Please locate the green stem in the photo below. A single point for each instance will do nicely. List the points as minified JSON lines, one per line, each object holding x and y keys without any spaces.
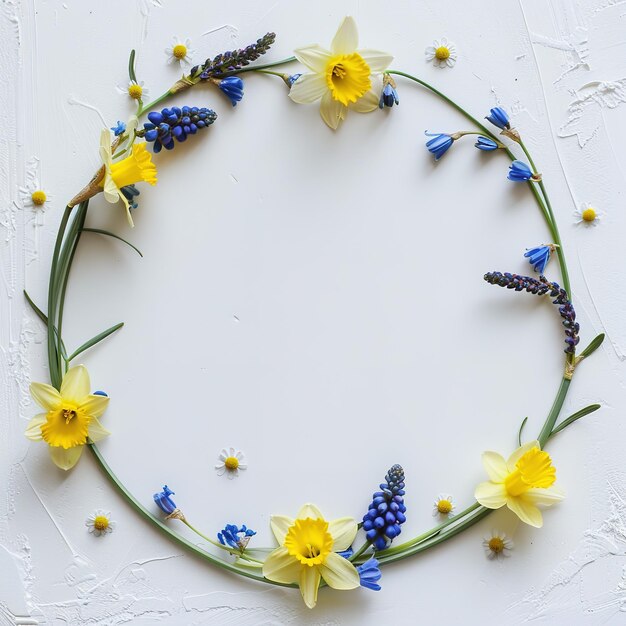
{"x":360,"y":551}
{"x":548,"y":426}
{"x":555,"y":229}
{"x":173,"y":535}
{"x":256,"y":68}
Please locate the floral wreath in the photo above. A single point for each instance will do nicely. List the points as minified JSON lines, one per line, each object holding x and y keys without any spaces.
{"x":312,"y":552}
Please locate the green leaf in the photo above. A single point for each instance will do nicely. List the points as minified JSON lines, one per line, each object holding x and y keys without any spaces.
{"x":592,"y":347}
{"x":519,"y":434}
{"x":94,"y":340}
{"x":131,"y":66}
{"x":40,"y":314}
{"x":110,"y":234}
{"x":576,"y":416}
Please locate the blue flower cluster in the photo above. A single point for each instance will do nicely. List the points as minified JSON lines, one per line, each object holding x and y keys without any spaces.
{"x":387,"y":511}
{"x":538,"y":257}
{"x":232,"y":86}
{"x":175,"y":123}
{"x":163,"y":500}
{"x":235,"y":537}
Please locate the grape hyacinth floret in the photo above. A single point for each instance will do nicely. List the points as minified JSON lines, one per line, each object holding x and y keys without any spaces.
{"x":175,"y":123}
{"x":541,"y":287}
{"x":382,"y":522}
{"x":228,"y":62}
{"x":235,"y":537}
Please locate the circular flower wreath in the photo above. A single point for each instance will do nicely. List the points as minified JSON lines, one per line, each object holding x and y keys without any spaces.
{"x":312,"y":552}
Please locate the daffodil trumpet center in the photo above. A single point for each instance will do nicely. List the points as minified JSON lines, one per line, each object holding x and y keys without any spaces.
{"x":66,"y":427}
{"x":138,"y":167}
{"x":534,"y":470}
{"x":348,"y":77}
{"x":309,"y":541}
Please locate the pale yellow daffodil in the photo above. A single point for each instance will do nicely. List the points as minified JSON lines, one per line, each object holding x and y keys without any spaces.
{"x":522,"y":482}
{"x":342,"y":76}
{"x":71,"y":416}
{"x":138,"y":167}
{"x":307,"y":552}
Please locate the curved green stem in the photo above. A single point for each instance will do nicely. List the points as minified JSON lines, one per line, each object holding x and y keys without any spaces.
{"x":256,"y":68}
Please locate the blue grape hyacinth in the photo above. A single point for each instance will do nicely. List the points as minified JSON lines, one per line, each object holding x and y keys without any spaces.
{"x":232,"y":86}
{"x":386,"y":513}
{"x":439,"y":144}
{"x":235,"y":537}
{"x":499,"y":117}
{"x":175,"y":123}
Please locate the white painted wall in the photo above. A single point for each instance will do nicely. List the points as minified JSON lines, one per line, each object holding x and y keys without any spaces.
{"x":317,"y":301}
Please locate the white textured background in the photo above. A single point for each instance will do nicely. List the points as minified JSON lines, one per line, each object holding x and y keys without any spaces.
{"x":316,"y":300}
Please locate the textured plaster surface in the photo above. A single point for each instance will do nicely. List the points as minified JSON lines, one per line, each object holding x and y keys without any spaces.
{"x":316,"y":300}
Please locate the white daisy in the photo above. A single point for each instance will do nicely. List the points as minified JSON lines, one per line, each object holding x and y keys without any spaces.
{"x":134,"y":89}
{"x":497,"y":545}
{"x":180,"y":52}
{"x":442,"y":53}
{"x":231,"y":461}
{"x":100,"y":523}
{"x":31,"y":194}
{"x":443,"y":506}
{"x":587,"y":215}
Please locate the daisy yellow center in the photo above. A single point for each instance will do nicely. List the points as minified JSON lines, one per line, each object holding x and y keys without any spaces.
{"x":442,"y":53}
{"x":66,"y":427}
{"x":496,"y":545}
{"x":309,"y":541}
{"x":179,"y":51}
{"x":101,"y":523}
{"x":348,"y":77}
{"x":444,"y":506}
{"x":589,"y":214}
{"x":534,"y":470}
{"x":138,"y":167}
{"x":135,"y":91}
{"x":231,"y":462}
{"x":38,"y":197}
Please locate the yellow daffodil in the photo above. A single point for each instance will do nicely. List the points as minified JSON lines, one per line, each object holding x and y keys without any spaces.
{"x":138,"y":167}
{"x":71,"y":416}
{"x":307,"y":552}
{"x":342,"y":76}
{"x":522,"y":482}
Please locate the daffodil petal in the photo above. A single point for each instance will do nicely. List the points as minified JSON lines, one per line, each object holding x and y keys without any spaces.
{"x":280,"y":525}
{"x":111,"y":192}
{"x":517,"y":455}
{"x":33,"y":430}
{"x":281,"y":567}
{"x":376,"y":59}
{"x":309,"y":510}
{"x":46,"y":396}
{"x":95,"y":405}
{"x":346,"y":38}
{"x":76,"y":385}
{"x":308,"y":88}
{"x":96,"y":430}
{"x":314,"y":57}
{"x":332,"y":111}
{"x":491,"y":495}
{"x":495,"y":466}
{"x":547,"y":497}
{"x":65,"y":459}
{"x":129,"y":217}
{"x":105,"y":147}
{"x":309,"y":584}
{"x":526,"y":511}
{"x":339,"y":573}
{"x":368,"y":102}
{"x":343,"y":532}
